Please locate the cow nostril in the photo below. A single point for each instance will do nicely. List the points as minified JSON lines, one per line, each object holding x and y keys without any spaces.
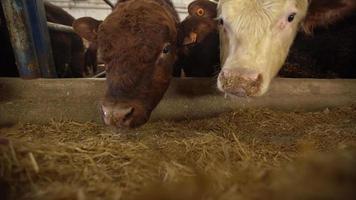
{"x":128,"y":114}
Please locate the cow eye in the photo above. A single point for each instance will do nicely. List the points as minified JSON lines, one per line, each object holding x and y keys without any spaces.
{"x":200,"y":12}
{"x":167,"y":48}
{"x":291,"y":17}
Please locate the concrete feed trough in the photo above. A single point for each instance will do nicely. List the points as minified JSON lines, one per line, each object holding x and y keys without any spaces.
{"x":42,"y":100}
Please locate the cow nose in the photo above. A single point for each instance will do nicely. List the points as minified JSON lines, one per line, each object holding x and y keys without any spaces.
{"x":240,"y":82}
{"x":123,"y":117}
{"x":119,"y":117}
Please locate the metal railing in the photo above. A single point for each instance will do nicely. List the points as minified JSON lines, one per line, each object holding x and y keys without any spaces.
{"x":29,"y":36}
{"x":26,"y":22}
{"x":60,"y":27}
{"x":69,"y":29}
{"x":28,"y":29}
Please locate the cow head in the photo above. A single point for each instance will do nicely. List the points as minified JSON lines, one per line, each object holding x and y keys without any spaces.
{"x":199,"y":23}
{"x":198,"y":41}
{"x":256,"y":36}
{"x":137,"y":44}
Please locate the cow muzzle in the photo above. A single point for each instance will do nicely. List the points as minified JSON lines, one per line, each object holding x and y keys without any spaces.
{"x":124,"y":116}
{"x":240,"y":82}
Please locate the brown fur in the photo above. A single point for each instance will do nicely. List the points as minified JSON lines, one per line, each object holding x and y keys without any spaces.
{"x":85,"y":27}
{"x":322,"y":13}
{"x":118,"y":47}
{"x":198,"y":41}
{"x":130,"y":42}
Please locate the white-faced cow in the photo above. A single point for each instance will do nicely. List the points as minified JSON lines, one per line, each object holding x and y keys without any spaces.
{"x":256,"y":36}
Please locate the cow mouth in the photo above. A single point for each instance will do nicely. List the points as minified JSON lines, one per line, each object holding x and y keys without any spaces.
{"x":240,"y":86}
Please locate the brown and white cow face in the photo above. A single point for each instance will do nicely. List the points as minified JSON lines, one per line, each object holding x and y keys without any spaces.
{"x":255,"y":39}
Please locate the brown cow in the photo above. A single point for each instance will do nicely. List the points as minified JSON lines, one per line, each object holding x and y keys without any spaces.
{"x":137,"y":43}
{"x":68,"y":50}
{"x":198,"y":41}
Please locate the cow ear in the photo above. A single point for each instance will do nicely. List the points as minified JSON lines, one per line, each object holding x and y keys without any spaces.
{"x":87,"y":28}
{"x":190,"y":8}
{"x":322,"y":13}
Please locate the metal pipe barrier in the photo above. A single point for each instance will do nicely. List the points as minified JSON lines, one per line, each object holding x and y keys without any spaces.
{"x":60,"y":27}
{"x":29,"y":37}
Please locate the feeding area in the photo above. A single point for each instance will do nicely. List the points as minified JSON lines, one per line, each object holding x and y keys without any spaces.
{"x":171,"y":108}
{"x":244,"y":149}
{"x":247,"y":154}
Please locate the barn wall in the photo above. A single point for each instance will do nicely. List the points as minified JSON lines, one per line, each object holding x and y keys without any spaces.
{"x":98,"y":9}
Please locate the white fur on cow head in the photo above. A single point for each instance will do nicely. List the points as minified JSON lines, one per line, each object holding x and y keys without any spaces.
{"x":255,"y":37}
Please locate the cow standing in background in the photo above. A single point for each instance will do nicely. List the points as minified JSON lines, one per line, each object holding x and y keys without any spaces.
{"x":328,"y":52}
{"x":198,"y":41}
{"x":256,"y":36}
{"x":137,"y":43}
{"x":67,"y":48}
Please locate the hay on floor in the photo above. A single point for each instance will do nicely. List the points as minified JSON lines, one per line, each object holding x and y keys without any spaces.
{"x":247,"y":154}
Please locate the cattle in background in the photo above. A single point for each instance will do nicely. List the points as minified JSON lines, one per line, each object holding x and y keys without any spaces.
{"x":256,"y":37}
{"x":91,"y":57}
{"x":198,"y":41}
{"x":329,"y":52}
{"x":91,"y":60}
{"x":137,"y":43}
{"x":67,"y":48}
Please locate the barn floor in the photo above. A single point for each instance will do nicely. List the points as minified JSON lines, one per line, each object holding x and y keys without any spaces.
{"x":246,"y":154}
